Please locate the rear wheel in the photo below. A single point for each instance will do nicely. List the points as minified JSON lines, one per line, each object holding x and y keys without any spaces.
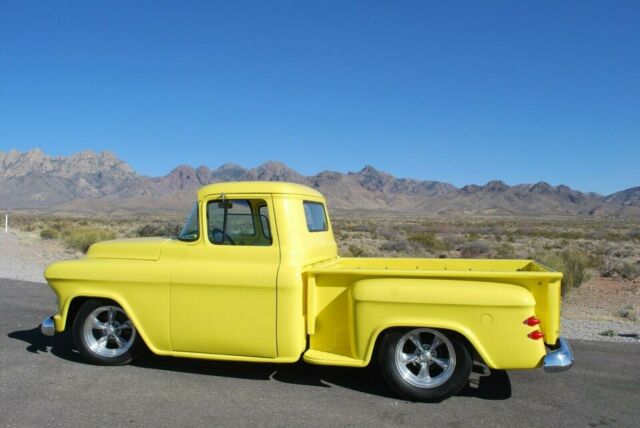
{"x":104,"y":334}
{"x":425,"y":364}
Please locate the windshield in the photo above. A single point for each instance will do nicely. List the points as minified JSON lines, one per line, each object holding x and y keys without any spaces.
{"x":191,"y":231}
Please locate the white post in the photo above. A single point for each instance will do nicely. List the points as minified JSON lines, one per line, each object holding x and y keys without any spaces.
{"x":6,"y":223}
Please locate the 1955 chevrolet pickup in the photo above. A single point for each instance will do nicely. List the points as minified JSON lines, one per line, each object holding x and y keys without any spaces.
{"x":254,"y":275}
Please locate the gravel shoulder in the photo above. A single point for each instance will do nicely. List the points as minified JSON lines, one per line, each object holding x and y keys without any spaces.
{"x":24,"y":256}
{"x":587,"y":313}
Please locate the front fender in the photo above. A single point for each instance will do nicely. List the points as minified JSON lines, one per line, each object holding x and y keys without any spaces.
{"x":141,"y":288}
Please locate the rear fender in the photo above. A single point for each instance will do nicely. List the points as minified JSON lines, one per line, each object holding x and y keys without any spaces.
{"x":488,"y":315}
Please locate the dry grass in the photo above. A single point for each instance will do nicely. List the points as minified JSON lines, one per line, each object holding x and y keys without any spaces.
{"x":579,"y":248}
{"x":79,"y":233}
{"x":576,"y":246}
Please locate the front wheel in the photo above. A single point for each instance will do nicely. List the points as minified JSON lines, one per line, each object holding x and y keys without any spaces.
{"x":425,"y":364}
{"x":104,"y":334}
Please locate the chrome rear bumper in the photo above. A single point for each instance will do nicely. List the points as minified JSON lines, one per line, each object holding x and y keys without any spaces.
{"x":48,"y":328}
{"x":559,"y":359}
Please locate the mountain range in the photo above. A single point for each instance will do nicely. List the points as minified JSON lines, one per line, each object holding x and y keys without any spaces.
{"x":101,"y":182}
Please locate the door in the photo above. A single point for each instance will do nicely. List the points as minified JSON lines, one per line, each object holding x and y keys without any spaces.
{"x":223,"y":294}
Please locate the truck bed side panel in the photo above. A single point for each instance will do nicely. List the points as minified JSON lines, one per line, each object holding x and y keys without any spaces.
{"x":352,"y":310}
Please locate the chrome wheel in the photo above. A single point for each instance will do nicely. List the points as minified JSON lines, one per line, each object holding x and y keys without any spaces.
{"x":425,"y":358}
{"x":108,"y":331}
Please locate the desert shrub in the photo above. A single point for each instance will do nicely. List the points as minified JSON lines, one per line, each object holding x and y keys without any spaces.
{"x":60,"y":225}
{"x":474,"y":249}
{"x":29,"y":227}
{"x":367,"y":227}
{"x":630,"y":312}
{"x":356,"y":251}
{"x":575,"y":268}
{"x":450,"y":241}
{"x":570,"y":234}
{"x":399,"y":246}
{"x":571,"y":262}
{"x":505,"y":251}
{"x":158,"y":229}
{"x":613,"y":236}
{"x":621,"y":252}
{"x":473,"y":236}
{"x":549,"y":259}
{"x":81,"y":238}
{"x":634,"y":235}
{"x":605,"y":265}
{"x":427,"y":240}
{"x":340,"y":235}
{"x":49,"y":233}
{"x":387,"y":233}
{"x":627,"y":270}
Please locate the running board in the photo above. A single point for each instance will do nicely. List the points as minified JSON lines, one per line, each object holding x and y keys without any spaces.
{"x":313,"y":356}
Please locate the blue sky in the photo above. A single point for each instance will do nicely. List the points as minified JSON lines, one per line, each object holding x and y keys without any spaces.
{"x":463,"y":92}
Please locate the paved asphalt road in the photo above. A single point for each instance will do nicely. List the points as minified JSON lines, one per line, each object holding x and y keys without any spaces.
{"x":44,"y":382}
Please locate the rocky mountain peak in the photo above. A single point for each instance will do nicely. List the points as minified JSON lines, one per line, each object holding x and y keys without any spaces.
{"x":541,"y":187}
{"x":34,"y":179}
{"x":16,"y":164}
{"x":228,"y":172}
{"x":496,"y":186}
{"x":368,"y":170}
{"x":471,"y":188}
{"x":35,"y":161}
{"x":274,"y":171}
{"x":373,"y":179}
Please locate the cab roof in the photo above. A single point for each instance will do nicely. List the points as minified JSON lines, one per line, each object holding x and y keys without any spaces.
{"x":272,"y":187}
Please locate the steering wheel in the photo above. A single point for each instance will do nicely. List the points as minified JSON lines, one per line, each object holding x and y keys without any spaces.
{"x":218,"y":236}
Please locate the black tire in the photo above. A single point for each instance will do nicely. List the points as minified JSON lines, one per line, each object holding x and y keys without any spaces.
{"x":392,"y":371}
{"x":111,"y":354}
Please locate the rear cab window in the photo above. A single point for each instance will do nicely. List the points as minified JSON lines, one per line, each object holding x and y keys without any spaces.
{"x":316,"y":216}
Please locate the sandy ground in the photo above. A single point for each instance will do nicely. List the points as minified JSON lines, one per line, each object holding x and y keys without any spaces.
{"x":587,"y":312}
{"x":603,"y":299}
{"x":594,"y":311}
{"x":24,"y":256}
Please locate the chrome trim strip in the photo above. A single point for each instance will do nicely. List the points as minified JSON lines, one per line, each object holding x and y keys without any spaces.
{"x":560,"y":359}
{"x":48,"y":328}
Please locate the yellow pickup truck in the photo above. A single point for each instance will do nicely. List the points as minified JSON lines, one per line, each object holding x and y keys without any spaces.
{"x":255,"y":276}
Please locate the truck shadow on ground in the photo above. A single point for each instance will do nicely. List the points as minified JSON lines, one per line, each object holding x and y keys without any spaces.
{"x":484,"y":383}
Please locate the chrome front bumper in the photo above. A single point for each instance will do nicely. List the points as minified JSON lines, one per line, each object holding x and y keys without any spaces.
{"x":560,"y":359}
{"x":48,"y":328}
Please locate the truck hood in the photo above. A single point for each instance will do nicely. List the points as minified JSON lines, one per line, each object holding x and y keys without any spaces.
{"x":133,"y":249}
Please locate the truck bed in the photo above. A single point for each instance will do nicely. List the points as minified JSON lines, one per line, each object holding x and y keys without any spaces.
{"x":338,"y":290}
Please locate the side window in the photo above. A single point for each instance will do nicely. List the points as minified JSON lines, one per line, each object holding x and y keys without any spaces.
{"x":236,"y":222}
{"x":316,"y":217}
{"x":191,"y":231}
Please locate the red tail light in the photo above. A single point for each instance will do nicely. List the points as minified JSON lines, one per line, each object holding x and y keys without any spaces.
{"x":536,"y":335}
{"x":532,"y":321}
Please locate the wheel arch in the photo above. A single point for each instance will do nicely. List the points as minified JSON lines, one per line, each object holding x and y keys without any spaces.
{"x":470,"y":339}
{"x":74,"y":303}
